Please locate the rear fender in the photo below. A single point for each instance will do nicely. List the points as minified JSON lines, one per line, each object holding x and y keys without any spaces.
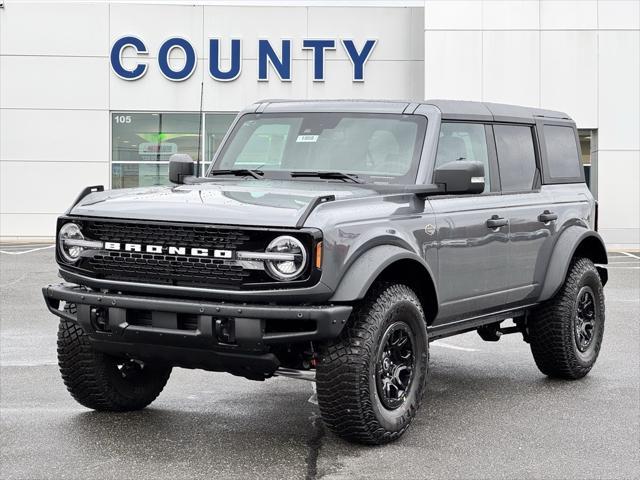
{"x":575,"y":240}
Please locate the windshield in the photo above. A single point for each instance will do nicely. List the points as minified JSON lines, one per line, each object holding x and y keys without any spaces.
{"x":376,"y":148}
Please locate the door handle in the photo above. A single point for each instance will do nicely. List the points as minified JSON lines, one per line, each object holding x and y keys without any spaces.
{"x":496,"y":222}
{"x":547,"y":216}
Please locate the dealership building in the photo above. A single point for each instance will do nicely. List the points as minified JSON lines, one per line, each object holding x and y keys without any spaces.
{"x":104,"y":92}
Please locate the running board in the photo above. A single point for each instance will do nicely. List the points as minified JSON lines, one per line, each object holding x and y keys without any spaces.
{"x":467,"y":325}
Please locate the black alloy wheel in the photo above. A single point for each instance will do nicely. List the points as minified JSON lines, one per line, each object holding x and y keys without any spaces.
{"x":395,"y":365}
{"x":371,"y":379}
{"x":585,"y":318}
{"x":566,"y":331}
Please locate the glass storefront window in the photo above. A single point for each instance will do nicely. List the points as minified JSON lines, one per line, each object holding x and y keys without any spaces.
{"x":215,"y":127}
{"x":125,"y":175}
{"x":142,"y":144}
{"x":588,"y":148}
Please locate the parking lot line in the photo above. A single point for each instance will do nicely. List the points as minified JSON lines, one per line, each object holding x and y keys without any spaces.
{"x":630,"y":255}
{"x":26,"y":251}
{"x":438,"y":343}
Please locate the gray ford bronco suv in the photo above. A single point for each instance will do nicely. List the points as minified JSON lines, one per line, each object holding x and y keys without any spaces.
{"x":332,"y":241}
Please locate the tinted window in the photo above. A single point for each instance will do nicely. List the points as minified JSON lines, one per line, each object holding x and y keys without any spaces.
{"x":463,"y":141}
{"x":562,"y":152}
{"x":516,"y":157}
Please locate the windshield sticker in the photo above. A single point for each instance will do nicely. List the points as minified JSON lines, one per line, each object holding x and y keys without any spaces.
{"x":307,"y":138}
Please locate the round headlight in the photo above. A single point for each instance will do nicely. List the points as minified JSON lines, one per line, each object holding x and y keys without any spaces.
{"x":70,"y":231}
{"x":294,"y":261}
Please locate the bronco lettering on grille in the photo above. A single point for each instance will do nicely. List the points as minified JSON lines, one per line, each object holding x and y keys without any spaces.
{"x":171,"y":250}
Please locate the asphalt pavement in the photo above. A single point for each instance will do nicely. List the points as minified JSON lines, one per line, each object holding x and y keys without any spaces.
{"x":488,"y":412}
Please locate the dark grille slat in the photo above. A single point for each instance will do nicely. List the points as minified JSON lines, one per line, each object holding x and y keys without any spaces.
{"x":168,"y":268}
{"x":164,"y":235}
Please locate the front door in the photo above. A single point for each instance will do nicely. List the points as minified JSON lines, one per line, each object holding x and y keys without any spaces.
{"x":472,"y":230}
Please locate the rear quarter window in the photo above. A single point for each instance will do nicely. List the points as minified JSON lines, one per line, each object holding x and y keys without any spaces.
{"x":563,"y":161}
{"x":516,"y":157}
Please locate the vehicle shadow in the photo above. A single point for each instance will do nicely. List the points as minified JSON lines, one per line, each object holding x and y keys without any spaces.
{"x":260,"y":435}
{"x":468,"y":406}
{"x":263,"y":429}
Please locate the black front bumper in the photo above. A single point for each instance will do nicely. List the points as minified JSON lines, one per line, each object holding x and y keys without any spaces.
{"x":217,"y":336}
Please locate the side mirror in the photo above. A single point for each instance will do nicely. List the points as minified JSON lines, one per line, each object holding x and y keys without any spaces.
{"x":460,"y":176}
{"x":180,"y":165}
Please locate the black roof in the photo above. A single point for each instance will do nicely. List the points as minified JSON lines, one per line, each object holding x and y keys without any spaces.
{"x":450,"y":109}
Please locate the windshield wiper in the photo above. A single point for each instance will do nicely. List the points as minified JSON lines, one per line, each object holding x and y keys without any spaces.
{"x":241,"y":172}
{"x":328,"y":175}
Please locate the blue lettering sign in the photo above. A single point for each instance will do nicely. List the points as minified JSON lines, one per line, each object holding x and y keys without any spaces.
{"x":358,"y":59}
{"x":266,"y":54}
{"x":268,"y":58}
{"x":318,"y":47}
{"x":189,"y":64}
{"x":214,"y":60}
{"x":116,"y":57}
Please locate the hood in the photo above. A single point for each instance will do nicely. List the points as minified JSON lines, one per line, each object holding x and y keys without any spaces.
{"x":277,"y":203}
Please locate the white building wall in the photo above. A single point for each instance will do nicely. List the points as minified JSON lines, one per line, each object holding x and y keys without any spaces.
{"x":577,"y":56}
{"x":57,"y":89}
{"x":54,"y":110}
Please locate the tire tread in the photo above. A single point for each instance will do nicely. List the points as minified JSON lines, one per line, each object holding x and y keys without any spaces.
{"x":85,"y":373}
{"x":550,"y":327}
{"x":344,"y":369}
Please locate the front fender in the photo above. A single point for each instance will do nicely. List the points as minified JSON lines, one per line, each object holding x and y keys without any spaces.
{"x":356,"y":282}
{"x":573,"y":238}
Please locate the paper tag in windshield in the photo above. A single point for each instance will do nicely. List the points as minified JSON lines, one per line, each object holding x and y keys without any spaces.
{"x":307,"y":138}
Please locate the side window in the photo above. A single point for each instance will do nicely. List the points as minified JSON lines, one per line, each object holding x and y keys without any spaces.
{"x":463,"y":141}
{"x":516,"y":157}
{"x":562,"y":152}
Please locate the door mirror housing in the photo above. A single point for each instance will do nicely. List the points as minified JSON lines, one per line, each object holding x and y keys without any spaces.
{"x":460,"y":176}
{"x":180,"y":166}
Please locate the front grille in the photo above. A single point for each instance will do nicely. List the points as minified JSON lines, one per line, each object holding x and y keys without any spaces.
{"x":167,"y":269}
{"x":176,"y":235}
{"x":177,"y":270}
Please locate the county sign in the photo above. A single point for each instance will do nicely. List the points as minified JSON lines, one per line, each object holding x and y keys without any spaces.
{"x":273,"y":58}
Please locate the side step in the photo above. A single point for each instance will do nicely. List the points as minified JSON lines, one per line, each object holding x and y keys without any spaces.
{"x":493,"y":332}
{"x":492,"y":320}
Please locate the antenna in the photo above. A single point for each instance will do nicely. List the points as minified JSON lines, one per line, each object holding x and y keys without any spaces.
{"x":200,"y":131}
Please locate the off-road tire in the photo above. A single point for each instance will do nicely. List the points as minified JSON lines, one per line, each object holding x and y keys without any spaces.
{"x":346,"y":376}
{"x":551,"y":326}
{"x":94,"y":379}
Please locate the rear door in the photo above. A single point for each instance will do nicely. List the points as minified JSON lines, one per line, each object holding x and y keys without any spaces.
{"x":472,"y":255}
{"x":531,"y":221}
